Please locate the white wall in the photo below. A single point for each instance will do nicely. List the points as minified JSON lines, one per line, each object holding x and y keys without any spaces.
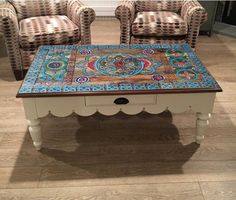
{"x":103,"y":7}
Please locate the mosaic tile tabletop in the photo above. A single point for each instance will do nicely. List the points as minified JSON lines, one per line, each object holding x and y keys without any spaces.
{"x":116,"y":69}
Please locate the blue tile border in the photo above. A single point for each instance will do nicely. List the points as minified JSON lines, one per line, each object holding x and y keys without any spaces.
{"x":30,"y":86}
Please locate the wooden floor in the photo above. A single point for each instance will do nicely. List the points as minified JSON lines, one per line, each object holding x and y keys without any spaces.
{"x":143,"y":157}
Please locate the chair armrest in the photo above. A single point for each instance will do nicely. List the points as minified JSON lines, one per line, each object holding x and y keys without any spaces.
{"x":125,"y":13}
{"x":10,"y":28}
{"x":195,"y":15}
{"x":8,"y":19}
{"x":82,"y":16}
{"x":192,"y":10}
{"x":125,"y":10}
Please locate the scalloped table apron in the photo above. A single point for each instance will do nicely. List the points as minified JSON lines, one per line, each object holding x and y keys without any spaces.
{"x":112,"y":78}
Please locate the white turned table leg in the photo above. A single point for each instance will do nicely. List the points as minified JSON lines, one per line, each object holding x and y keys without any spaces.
{"x":35,"y":132}
{"x":202,"y":123}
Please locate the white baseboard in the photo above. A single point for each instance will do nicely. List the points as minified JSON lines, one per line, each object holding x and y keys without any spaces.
{"x":104,"y":10}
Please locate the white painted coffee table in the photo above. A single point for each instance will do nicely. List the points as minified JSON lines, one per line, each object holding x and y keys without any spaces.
{"x":109,"y":79}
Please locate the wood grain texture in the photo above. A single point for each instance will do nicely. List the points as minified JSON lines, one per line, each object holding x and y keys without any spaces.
{"x":123,"y":157}
{"x":27,"y":177}
{"x":136,"y":173}
{"x":129,"y":192}
{"x":219,"y":190}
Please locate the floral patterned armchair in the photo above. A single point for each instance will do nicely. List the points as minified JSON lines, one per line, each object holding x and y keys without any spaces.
{"x":27,"y":24}
{"x":160,"y":21}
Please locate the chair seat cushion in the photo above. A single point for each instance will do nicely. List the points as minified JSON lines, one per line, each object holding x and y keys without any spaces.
{"x":44,"y":30}
{"x":160,"y":23}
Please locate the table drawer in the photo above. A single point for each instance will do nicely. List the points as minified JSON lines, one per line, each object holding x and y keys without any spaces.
{"x":120,"y":100}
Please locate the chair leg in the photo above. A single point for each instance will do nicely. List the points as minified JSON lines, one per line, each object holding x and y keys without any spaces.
{"x":19,"y":74}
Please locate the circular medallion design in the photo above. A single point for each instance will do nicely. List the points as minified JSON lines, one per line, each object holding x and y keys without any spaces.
{"x":82,"y":79}
{"x":186,"y":74}
{"x":158,"y":77}
{"x":180,"y":62}
{"x":120,"y":65}
{"x":174,"y":53}
{"x":148,"y":51}
{"x":56,"y":65}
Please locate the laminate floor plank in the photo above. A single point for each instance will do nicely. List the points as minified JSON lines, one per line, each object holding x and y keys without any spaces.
{"x":27,"y":177}
{"x":134,"y":173}
{"x":107,"y":154}
{"x":219,"y":190}
{"x":128,"y":192}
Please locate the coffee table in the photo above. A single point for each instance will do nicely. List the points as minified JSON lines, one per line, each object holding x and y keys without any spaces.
{"x":112,"y":78}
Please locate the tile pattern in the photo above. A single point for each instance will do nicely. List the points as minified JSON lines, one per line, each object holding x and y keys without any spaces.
{"x":190,"y":11}
{"x":69,"y":22}
{"x":91,"y":68}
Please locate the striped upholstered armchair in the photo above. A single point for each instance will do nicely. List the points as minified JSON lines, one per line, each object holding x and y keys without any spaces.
{"x":160,"y":21}
{"x":27,"y":24}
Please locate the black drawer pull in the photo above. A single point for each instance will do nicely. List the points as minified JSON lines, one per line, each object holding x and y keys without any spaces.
{"x":121,"y":101}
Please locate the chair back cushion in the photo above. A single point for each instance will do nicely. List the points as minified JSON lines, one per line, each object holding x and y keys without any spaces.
{"x":33,"y":8}
{"x":159,"y":5}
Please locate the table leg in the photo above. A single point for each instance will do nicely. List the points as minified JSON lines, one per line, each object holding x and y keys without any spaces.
{"x":202,"y":123}
{"x":35,"y":132}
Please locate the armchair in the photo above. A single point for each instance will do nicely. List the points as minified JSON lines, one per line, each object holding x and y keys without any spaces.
{"x":27,"y":24}
{"x":160,"y":21}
